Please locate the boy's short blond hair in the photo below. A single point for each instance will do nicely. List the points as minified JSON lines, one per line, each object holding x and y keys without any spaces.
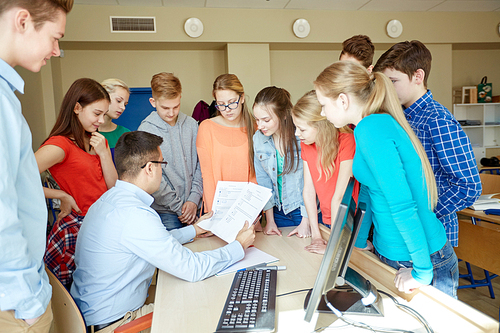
{"x":165,"y":85}
{"x":41,"y":11}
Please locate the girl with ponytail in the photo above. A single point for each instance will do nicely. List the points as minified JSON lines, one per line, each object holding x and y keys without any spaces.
{"x":392,"y":164}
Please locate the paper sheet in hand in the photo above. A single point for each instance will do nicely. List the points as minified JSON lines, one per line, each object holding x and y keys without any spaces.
{"x":253,"y":257}
{"x":234,"y":203}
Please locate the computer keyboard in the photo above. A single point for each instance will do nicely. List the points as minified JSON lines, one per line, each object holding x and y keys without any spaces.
{"x":250,"y":303}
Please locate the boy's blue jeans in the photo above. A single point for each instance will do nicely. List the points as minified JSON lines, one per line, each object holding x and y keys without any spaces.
{"x":445,"y":263}
{"x":171,"y":221}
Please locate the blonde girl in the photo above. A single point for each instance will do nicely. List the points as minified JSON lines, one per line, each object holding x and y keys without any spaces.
{"x":119,"y":94}
{"x":392,"y":164}
{"x":327,"y":154}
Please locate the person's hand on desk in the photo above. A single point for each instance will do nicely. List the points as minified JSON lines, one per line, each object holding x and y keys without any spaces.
{"x":369,"y":247}
{"x":271,"y":228}
{"x":405,"y":282}
{"x":303,"y":230}
{"x":246,"y":235}
{"x":318,"y":245}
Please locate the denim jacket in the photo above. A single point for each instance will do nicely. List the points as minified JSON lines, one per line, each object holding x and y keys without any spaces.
{"x":266,"y":170}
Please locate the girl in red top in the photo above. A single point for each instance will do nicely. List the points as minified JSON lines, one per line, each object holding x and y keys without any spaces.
{"x":79,"y":159}
{"x":327,"y":155}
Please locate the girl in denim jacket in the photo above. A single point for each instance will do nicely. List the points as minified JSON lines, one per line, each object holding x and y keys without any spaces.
{"x":277,"y":161}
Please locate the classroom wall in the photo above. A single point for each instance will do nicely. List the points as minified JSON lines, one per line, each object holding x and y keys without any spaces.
{"x":257,"y":45}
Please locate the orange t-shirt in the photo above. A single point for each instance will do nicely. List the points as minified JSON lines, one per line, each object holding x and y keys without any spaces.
{"x":79,"y":174}
{"x":326,"y":188}
{"x":223,"y":154}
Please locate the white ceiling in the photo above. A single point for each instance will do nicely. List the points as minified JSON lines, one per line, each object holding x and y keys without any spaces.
{"x":366,"y":5}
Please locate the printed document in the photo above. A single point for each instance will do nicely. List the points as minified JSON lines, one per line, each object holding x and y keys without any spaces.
{"x":234,"y":203}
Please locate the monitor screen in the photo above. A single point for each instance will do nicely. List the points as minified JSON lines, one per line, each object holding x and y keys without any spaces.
{"x":338,"y":251}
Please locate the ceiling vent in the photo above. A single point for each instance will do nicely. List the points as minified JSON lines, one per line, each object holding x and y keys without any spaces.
{"x":132,"y":24}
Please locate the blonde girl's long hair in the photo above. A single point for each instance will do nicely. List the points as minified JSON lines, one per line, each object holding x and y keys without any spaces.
{"x":378,"y":95}
{"x":278,"y":101}
{"x":231,"y":82}
{"x":308,"y":109}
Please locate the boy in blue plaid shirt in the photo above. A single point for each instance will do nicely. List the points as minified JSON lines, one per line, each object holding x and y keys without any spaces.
{"x":408,"y":65}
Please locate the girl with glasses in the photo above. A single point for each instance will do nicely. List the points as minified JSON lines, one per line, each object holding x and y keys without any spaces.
{"x":224,"y":143}
{"x":327,"y":154}
{"x":79,"y":159}
{"x":278,"y":164}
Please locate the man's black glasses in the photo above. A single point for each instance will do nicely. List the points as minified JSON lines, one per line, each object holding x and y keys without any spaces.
{"x":157,"y":162}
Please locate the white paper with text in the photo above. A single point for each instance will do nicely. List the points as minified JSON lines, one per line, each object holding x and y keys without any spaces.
{"x":235,"y":203}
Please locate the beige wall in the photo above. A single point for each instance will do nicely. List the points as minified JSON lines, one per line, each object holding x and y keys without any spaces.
{"x":469,"y":66}
{"x":257,"y":45}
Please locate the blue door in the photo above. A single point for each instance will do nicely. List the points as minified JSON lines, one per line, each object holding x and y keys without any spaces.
{"x":137,"y":109}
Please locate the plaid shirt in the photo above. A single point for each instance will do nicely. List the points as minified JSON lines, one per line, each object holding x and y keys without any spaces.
{"x":60,"y":253}
{"x":451,"y":157}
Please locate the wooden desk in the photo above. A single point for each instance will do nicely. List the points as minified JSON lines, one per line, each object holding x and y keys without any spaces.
{"x":479,"y":214}
{"x":181,"y":306}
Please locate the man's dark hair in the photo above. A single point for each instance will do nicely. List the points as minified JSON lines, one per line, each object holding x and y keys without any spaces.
{"x":406,"y":57}
{"x":359,"y":47}
{"x":133,"y":150}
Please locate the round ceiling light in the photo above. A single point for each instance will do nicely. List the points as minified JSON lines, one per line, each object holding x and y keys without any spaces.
{"x":301,"y":28}
{"x":394,"y":29}
{"x":193,"y":27}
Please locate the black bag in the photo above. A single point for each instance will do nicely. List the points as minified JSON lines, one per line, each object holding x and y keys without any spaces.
{"x":490,"y":162}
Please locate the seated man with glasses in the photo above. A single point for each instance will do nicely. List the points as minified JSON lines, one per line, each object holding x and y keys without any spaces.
{"x":122,"y":240}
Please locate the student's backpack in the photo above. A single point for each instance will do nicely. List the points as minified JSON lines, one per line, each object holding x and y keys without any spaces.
{"x":203,"y":111}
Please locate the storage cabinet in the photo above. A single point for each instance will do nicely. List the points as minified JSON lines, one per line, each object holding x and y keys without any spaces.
{"x":485,"y":138}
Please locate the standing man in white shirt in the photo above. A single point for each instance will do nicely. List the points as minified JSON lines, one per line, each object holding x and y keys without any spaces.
{"x":29,"y":35}
{"x":122,"y":240}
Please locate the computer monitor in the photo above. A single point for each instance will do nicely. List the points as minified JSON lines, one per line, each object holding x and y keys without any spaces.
{"x":334,"y":268}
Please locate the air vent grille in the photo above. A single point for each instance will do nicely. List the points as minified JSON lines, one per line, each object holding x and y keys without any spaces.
{"x":132,"y":24}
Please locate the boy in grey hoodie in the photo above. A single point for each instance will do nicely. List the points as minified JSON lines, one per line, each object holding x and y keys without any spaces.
{"x":181,"y":188}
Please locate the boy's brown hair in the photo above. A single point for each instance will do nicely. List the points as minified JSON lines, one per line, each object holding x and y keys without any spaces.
{"x":359,"y":47}
{"x":41,"y":11}
{"x":165,"y":85}
{"x":406,"y":57}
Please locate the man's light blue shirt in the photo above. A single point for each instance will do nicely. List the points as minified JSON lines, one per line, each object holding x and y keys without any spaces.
{"x":121,"y":242}
{"x":24,"y":285}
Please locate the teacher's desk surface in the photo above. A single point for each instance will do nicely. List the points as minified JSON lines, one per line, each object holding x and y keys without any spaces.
{"x":182,"y":306}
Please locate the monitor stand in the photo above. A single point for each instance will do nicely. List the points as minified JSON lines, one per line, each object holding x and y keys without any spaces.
{"x":351,"y":301}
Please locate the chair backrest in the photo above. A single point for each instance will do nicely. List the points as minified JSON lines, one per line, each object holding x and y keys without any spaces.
{"x":490,"y":183}
{"x":67,"y":315}
{"x":479,"y":246}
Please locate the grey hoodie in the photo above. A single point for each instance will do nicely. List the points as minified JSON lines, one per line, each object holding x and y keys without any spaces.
{"x":181,"y":180}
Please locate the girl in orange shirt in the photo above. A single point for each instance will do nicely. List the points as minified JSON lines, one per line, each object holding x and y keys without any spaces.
{"x":224,"y":143}
{"x":327,"y":155}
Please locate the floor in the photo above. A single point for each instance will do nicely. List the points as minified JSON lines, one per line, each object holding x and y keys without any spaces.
{"x":479,"y":298}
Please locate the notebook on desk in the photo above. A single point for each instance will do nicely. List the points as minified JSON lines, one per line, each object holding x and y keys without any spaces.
{"x":253,"y":257}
